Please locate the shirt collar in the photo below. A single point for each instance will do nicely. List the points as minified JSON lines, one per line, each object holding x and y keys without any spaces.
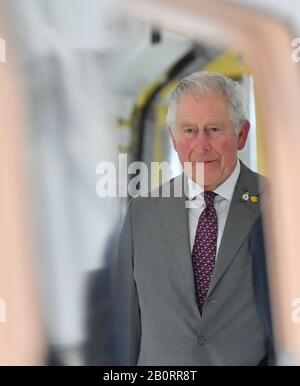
{"x":225,"y":190}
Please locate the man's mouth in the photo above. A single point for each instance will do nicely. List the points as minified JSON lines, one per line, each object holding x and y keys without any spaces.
{"x":204,"y":162}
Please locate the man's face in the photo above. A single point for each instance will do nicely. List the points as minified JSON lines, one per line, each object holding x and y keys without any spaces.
{"x":205,"y":136}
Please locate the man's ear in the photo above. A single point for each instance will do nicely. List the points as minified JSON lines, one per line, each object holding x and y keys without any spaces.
{"x":173,"y":138}
{"x":243,"y":135}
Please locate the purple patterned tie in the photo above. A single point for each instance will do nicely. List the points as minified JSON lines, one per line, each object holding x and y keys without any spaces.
{"x":204,"y":249}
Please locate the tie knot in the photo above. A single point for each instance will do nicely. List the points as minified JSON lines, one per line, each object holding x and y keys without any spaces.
{"x":209,"y":198}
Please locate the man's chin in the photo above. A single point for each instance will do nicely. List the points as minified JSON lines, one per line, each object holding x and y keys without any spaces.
{"x":195,"y":171}
{"x":202,"y":173}
{"x":208,"y":183}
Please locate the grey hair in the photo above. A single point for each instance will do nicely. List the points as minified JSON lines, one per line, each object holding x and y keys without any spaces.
{"x":206,"y":82}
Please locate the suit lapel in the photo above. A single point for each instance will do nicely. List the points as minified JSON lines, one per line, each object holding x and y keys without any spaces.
{"x":174,"y":216}
{"x":241,"y":217}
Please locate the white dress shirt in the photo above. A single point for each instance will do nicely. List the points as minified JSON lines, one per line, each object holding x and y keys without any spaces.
{"x":222,"y":203}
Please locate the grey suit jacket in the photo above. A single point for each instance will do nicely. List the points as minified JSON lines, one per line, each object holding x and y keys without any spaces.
{"x":158,"y":322}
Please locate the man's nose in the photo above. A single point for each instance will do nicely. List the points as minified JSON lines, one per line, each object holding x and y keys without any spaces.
{"x":202,"y":142}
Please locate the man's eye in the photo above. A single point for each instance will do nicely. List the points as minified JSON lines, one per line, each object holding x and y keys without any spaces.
{"x":213,"y":130}
{"x":188,"y":131}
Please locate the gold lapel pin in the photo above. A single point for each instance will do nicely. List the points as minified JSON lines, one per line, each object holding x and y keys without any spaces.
{"x":254,"y":199}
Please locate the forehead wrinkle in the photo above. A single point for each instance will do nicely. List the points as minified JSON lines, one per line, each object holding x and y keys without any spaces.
{"x":210,"y":112}
{"x":188,"y":124}
{"x":207,"y":123}
{"x":213,"y":115}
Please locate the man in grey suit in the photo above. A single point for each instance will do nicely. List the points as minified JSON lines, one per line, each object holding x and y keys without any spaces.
{"x":184,"y":285}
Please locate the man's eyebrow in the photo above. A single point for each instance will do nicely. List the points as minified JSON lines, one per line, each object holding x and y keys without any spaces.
{"x":188,"y":124}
